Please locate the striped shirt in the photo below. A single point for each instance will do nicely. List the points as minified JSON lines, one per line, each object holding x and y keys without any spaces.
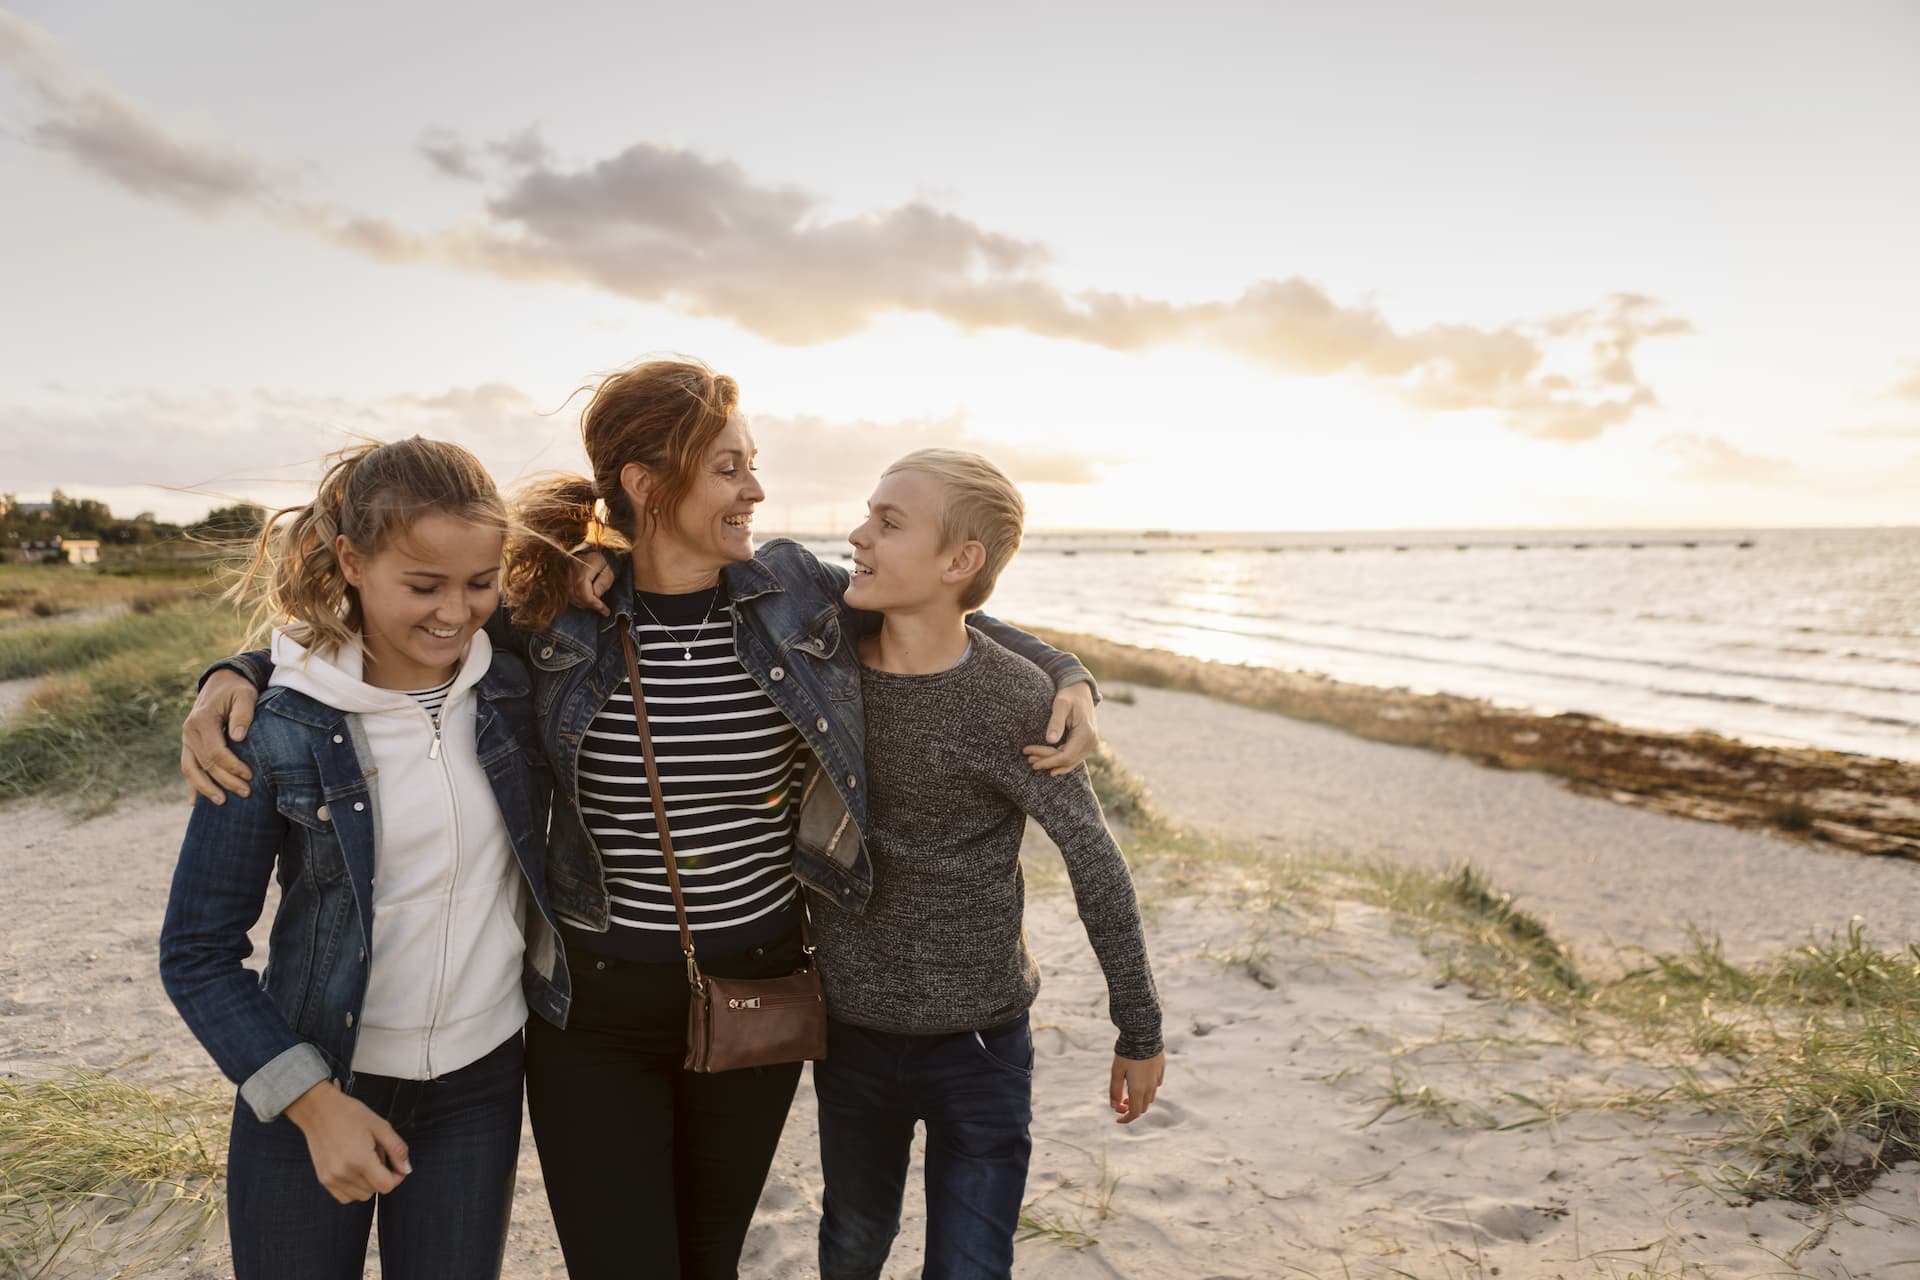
{"x":431,"y":700}
{"x":729,"y":764}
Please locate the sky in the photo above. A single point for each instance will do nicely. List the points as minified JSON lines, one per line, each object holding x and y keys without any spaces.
{"x":1205,"y":266}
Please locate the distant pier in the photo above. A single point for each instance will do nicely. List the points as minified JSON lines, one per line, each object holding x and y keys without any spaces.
{"x":1161,"y":544}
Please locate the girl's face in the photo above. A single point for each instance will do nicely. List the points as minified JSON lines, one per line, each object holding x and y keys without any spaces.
{"x":422,"y":597}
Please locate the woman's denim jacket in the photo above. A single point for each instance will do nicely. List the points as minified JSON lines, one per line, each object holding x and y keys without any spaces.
{"x":797,"y":638}
{"x":795,"y":635}
{"x":311,"y":811}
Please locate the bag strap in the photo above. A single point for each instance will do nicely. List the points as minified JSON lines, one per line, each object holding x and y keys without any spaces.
{"x":660,"y":814}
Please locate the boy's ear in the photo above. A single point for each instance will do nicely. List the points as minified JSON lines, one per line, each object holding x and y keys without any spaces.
{"x":968,"y":559}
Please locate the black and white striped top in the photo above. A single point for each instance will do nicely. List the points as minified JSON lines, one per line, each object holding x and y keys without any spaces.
{"x":730,"y":765}
{"x":431,"y":700}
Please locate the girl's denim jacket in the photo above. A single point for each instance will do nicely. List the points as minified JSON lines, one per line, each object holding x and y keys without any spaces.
{"x":795,"y":635}
{"x":310,"y":815}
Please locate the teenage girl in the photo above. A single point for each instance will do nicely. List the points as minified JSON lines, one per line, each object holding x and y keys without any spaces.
{"x":400,"y":798}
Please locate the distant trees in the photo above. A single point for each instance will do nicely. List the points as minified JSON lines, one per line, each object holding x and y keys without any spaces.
{"x":66,"y":517}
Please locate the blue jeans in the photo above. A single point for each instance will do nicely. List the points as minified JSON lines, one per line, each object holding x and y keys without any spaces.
{"x":447,"y":1219}
{"x":974,"y":1092}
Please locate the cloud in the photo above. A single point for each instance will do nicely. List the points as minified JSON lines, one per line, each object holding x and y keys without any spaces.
{"x":811,"y":461}
{"x":264,"y":444}
{"x":659,"y":224}
{"x":267,"y":445}
{"x":103,"y":133}
{"x":1888,"y":432}
{"x":1908,"y":387}
{"x":448,"y":153}
{"x":1713,"y":460}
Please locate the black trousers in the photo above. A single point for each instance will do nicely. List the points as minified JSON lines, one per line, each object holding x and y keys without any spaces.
{"x":651,"y":1170}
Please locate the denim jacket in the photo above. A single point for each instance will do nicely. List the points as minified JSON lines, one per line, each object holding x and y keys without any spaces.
{"x":310,"y":815}
{"x":796,"y":636}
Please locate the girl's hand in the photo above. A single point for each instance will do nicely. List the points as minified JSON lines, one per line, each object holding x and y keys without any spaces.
{"x":225,"y":706}
{"x":1073,"y":717}
{"x":1135,"y":1082}
{"x":592,"y":575}
{"x":356,"y":1154}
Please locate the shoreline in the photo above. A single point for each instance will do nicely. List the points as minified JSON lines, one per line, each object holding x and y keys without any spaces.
{"x":1863,"y":804}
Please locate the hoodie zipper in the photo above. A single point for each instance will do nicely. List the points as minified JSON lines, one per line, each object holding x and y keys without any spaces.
{"x":446,"y":918}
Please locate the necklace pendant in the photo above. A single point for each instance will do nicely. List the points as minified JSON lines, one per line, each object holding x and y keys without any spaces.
{"x":687,"y":654}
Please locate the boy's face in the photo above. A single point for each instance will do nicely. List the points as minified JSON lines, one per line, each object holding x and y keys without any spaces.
{"x":899,"y":560}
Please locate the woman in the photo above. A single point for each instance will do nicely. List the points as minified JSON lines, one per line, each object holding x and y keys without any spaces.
{"x":750,"y":670}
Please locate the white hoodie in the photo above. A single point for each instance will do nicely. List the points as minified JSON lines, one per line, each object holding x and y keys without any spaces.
{"x":444,"y":988}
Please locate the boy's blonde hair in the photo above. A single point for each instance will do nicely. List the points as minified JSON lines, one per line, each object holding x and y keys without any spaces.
{"x":979,"y":504}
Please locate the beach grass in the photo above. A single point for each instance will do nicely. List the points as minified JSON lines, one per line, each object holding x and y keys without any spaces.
{"x":29,"y":591}
{"x":104,"y":719}
{"x":103,"y":1177}
{"x":1810,"y":1058}
{"x":43,"y":646}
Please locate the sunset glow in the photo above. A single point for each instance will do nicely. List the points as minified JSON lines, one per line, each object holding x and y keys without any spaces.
{"x":1371,"y":267}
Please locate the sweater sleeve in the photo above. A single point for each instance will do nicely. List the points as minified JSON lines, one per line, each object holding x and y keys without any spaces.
{"x":1067,"y":810}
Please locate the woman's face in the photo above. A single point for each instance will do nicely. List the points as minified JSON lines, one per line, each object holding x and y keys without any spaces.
{"x":713,"y":526}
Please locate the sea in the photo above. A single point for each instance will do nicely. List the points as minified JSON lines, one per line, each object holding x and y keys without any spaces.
{"x":1806,"y":637}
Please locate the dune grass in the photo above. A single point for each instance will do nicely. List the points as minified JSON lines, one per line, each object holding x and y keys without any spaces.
{"x":1811,"y":1057}
{"x":39,"y":647}
{"x":29,"y":591}
{"x":104,"y":720}
{"x":100,"y":1177}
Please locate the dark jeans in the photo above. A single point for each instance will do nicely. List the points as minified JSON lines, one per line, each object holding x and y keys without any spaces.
{"x":974,"y":1092}
{"x":651,"y":1170}
{"x":447,"y":1219}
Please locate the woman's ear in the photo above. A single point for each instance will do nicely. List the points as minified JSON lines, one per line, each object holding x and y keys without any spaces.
{"x":353,"y":566}
{"x":637,"y":483}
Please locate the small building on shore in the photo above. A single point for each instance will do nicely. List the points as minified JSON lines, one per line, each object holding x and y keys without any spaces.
{"x":69,"y":550}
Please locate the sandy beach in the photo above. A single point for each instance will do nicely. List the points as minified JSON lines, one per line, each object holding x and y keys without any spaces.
{"x":1333,"y":1106}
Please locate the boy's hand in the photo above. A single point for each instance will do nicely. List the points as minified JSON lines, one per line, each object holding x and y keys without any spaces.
{"x":1135,"y":1082}
{"x":225,"y":706}
{"x":1073,"y":719}
{"x":355,"y":1153}
{"x":592,"y":575}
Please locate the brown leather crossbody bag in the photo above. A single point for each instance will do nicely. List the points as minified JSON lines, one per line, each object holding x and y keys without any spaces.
{"x":734,"y":1022}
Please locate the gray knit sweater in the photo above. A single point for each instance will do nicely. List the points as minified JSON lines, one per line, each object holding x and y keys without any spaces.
{"x":940,"y":947}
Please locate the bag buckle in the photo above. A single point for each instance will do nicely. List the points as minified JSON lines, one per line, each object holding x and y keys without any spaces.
{"x":753,"y":1003}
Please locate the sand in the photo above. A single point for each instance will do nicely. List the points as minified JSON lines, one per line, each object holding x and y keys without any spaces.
{"x":1276,"y":1150}
{"x":1603,"y":875}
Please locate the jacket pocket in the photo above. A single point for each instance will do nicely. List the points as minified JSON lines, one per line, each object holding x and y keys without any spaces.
{"x":821,"y":638}
{"x":301,"y":802}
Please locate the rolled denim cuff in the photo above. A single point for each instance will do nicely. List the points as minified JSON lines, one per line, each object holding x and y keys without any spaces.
{"x":274,"y":1087}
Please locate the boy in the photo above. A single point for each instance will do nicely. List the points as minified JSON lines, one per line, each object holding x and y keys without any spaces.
{"x":928,"y":990}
